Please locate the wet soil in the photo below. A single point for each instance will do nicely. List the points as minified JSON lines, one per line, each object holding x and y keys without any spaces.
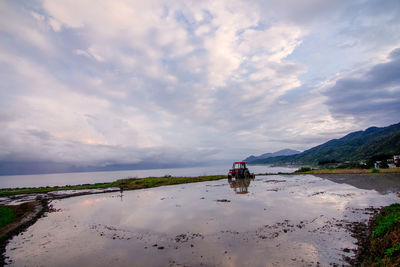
{"x":30,"y":207}
{"x":281,"y":221}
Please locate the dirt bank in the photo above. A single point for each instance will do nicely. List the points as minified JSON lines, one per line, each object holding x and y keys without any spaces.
{"x":26,"y":214}
{"x":379,"y":240}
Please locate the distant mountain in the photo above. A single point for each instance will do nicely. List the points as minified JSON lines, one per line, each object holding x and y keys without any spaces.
{"x":283,"y":152}
{"x":372,"y":143}
{"x":29,"y":167}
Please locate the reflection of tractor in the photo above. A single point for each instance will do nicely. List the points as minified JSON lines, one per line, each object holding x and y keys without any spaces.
{"x":240,"y":185}
{"x":239,"y":170}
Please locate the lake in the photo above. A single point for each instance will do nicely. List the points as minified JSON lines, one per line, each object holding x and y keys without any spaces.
{"x":59,"y":179}
{"x":277,"y":220}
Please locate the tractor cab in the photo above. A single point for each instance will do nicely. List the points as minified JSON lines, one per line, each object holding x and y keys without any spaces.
{"x":240,"y":170}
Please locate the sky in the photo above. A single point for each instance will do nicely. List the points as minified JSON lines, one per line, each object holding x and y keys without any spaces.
{"x":102,"y":82}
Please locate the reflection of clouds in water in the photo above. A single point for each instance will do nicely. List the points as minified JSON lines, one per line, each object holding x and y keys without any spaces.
{"x":91,"y":202}
{"x":259,"y":228}
{"x":146,"y":209}
{"x":147,"y":193}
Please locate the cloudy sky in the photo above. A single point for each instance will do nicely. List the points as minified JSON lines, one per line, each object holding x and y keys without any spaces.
{"x":102,"y":82}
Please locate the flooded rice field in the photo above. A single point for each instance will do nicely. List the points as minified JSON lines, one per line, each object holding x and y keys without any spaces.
{"x":270,"y":221}
{"x":73,"y":178}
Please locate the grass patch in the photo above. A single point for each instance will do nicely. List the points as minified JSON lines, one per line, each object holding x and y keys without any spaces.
{"x":385,"y":223}
{"x":303,"y":170}
{"x":7,"y":215}
{"x":393,"y":207}
{"x":128,"y":184}
{"x":12,"y":213}
{"x":383,"y":247}
{"x":374,"y":170}
{"x":394,"y":251}
{"x":134,"y":183}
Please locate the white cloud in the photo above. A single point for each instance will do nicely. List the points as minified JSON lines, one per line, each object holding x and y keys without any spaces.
{"x":174,"y":79}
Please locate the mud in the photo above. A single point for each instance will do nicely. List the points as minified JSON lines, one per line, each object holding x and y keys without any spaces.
{"x":306,"y":221}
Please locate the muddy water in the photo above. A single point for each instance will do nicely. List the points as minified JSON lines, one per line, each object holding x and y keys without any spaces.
{"x":269,"y":221}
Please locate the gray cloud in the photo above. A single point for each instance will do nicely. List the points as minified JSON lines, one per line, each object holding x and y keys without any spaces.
{"x":190,"y":81}
{"x":372,"y":95}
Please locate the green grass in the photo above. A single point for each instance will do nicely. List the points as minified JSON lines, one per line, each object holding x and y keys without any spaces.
{"x":7,"y":216}
{"x":160,"y":181}
{"x":385,"y":223}
{"x":393,"y":207}
{"x":393,"y":251}
{"x":374,"y":170}
{"x":303,"y":170}
{"x":128,"y":184}
{"x":383,"y":247}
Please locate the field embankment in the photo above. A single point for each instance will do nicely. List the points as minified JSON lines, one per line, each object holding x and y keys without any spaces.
{"x":124,"y":184}
{"x":345,"y":171}
{"x":16,"y":218}
{"x":381,"y":247}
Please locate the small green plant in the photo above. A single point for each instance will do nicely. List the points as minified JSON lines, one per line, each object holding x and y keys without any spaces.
{"x":385,"y":223}
{"x":374,"y":170}
{"x":304,"y":169}
{"x":393,"y":251}
{"x":393,"y":207}
{"x":7,"y":215}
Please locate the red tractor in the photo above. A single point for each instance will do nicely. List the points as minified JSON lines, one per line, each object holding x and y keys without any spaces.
{"x":239,"y":170}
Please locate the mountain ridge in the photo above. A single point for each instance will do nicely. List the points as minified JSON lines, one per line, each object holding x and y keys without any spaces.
{"x":372,"y":143}
{"x":282,"y":152}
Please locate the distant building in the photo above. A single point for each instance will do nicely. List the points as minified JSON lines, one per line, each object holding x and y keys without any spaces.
{"x":396,"y":160}
{"x":389,"y":163}
{"x":391,"y":166}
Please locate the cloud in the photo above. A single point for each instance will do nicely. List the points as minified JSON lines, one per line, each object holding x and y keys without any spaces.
{"x":190,"y":81}
{"x":371,"y":94}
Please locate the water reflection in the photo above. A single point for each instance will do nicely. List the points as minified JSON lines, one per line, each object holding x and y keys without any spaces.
{"x":382,"y":182}
{"x":101,"y":177}
{"x":121,"y":191}
{"x":282,"y":221}
{"x":240,"y":185}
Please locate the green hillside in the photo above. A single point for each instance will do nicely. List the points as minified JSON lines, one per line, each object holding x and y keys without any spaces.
{"x":373,"y":143}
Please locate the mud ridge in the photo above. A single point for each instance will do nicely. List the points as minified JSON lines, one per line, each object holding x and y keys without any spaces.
{"x":362,"y":232}
{"x":40,"y":207}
